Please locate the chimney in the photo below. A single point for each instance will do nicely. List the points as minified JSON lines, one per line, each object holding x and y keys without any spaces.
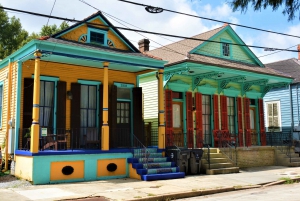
{"x":298,"y":52}
{"x":144,"y":45}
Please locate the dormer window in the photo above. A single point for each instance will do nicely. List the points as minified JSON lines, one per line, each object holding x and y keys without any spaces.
{"x":226,"y":50}
{"x":97,"y":36}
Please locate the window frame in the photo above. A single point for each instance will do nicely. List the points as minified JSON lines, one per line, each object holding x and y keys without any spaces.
{"x":278,"y":112}
{"x":234,"y":113}
{"x":226,"y":41}
{"x":97,"y":31}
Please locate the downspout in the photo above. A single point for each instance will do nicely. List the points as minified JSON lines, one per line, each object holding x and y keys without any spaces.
{"x":18,"y":105}
{"x":292,"y":114}
{"x":298,"y":104}
{"x":8,"y":114}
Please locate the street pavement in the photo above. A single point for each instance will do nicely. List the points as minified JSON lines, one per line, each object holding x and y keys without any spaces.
{"x":132,"y":189}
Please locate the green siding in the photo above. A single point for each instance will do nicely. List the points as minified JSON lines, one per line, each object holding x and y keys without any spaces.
{"x":150,"y":96}
{"x":214,"y":49}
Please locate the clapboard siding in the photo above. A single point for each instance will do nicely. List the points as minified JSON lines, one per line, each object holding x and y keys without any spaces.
{"x":150,"y":90}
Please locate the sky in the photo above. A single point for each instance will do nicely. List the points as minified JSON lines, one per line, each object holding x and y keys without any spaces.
{"x":170,"y":23}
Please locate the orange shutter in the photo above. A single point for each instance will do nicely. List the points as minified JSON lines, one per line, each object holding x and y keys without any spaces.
{"x":240,"y":121}
{"x":247,"y":121}
{"x":189,"y":119}
{"x":263,"y":138}
{"x":169,"y":117}
{"x":199,"y":124}
{"x":216,"y":119}
{"x":224,"y":118}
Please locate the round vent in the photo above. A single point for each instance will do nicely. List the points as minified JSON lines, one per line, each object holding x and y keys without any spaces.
{"x":67,"y":170}
{"x":110,"y":43}
{"x":111,"y":167}
{"x":83,"y":38}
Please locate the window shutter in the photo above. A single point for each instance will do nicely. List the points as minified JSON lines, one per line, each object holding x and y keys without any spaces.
{"x":240,"y":121}
{"x":100,"y":117}
{"x":189,"y":119}
{"x":247,"y":121}
{"x":216,"y":119}
{"x":169,"y":117}
{"x":75,"y":114}
{"x":112,"y":114}
{"x":138,"y":123}
{"x":199,"y":121}
{"x":224,"y":116}
{"x":61,"y":106}
{"x":263,"y":138}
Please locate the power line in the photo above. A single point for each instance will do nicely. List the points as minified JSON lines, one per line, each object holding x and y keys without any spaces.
{"x":206,"y":18}
{"x":148,"y":32}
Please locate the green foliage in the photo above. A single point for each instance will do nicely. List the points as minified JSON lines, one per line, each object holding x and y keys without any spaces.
{"x":11,"y":34}
{"x":48,"y":30}
{"x":291,"y":6}
{"x":4,"y":173}
{"x":287,"y":180}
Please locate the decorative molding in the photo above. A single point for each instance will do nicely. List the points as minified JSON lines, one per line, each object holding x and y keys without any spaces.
{"x":206,"y":89}
{"x":198,"y":78}
{"x":223,"y":82}
{"x":253,"y":94}
{"x":268,"y":87}
{"x":247,"y":85}
{"x":231,"y":91}
{"x":168,"y":75}
{"x":179,"y":86}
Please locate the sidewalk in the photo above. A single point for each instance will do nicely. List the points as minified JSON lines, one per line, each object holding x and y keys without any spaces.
{"x":131,"y":189}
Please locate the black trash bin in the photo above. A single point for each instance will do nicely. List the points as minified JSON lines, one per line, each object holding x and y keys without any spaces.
{"x":195,"y":161}
{"x":181,"y":158}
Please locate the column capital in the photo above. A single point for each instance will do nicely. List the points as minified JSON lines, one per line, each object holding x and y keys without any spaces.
{"x":161,"y":70}
{"x":37,"y":54}
{"x":105,"y":64}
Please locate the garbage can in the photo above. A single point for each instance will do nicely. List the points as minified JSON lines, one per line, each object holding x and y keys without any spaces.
{"x":180,"y":157}
{"x":195,"y":161}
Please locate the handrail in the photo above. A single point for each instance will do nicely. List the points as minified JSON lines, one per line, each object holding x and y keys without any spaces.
{"x":208,"y":155}
{"x":227,"y":145}
{"x":140,"y":153}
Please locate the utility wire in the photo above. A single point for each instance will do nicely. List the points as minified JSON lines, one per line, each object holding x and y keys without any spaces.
{"x":206,"y":18}
{"x":148,"y":32}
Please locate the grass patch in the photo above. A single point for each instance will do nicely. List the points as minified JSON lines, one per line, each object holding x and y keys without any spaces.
{"x":287,"y":180}
{"x":238,"y":186}
{"x":194,"y":190}
{"x":4,"y":173}
{"x":151,"y":194}
{"x":137,"y":197}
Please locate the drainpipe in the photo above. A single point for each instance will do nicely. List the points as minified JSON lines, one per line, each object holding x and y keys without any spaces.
{"x":298,"y":104}
{"x":8,"y":114}
{"x":292,"y":113}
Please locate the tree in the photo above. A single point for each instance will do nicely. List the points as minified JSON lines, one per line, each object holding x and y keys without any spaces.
{"x":48,"y":30}
{"x":291,"y":6}
{"x":11,"y":34}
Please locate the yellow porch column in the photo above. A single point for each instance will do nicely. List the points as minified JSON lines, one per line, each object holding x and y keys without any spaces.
{"x":35,"y":127}
{"x":161,"y":111}
{"x":105,"y":127}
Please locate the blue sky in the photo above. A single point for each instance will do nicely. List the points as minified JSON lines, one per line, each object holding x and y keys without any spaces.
{"x":172,"y":23}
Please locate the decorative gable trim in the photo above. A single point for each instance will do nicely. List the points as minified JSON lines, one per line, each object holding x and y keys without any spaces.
{"x":235,"y":37}
{"x":178,"y":85}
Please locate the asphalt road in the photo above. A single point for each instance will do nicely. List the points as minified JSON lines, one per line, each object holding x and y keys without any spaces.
{"x":285,"y":192}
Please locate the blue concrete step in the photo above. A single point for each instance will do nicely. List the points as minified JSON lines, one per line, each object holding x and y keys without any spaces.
{"x":153,"y":165}
{"x":153,"y":177}
{"x":148,"y":150}
{"x":157,"y":170}
{"x":149,"y":155}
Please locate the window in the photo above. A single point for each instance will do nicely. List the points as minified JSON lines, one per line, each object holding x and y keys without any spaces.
{"x":123,"y":112}
{"x":1,"y":102}
{"x":273,"y":121}
{"x":46,"y":103}
{"x":176,"y":116}
{"x":226,"y":49}
{"x":88,"y":106}
{"x":231,"y":114}
{"x":206,"y":115}
{"x":97,"y":38}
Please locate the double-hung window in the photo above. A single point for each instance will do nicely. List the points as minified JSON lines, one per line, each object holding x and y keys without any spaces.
{"x":231,"y":114}
{"x":1,"y":102}
{"x":273,"y":121}
{"x":206,"y":118}
{"x":46,"y":104}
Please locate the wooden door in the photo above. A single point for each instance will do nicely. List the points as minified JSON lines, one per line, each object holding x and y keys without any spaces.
{"x":178,"y":124}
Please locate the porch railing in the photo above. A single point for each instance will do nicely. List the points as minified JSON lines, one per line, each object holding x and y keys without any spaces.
{"x":141,"y":152}
{"x":227,"y":145}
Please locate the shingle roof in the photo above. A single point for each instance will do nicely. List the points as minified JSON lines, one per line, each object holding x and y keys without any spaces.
{"x":289,"y":67}
{"x":177,"y":53}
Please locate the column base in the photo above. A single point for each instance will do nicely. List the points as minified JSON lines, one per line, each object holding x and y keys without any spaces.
{"x":161,"y":137}
{"x":34,"y":138}
{"x":105,"y":138}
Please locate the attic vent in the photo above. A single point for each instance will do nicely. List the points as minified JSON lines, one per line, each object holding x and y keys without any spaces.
{"x":110,"y":43}
{"x":83,"y":38}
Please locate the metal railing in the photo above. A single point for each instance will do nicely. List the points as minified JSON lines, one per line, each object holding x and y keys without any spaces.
{"x":207,"y":155}
{"x":120,"y":138}
{"x":227,"y":145}
{"x":140,"y":151}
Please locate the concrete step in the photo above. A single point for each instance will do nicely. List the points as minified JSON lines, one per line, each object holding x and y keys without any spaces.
{"x":217,"y":165}
{"x":214,"y":160}
{"x":223,"y":170}
{"x":211,"y":150}
{"x":294,"y":164}
{"x":216,"y":155}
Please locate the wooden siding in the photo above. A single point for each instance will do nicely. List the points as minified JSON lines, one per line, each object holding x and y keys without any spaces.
{"x":150,"y":90}
{"x":71,"y":73}
{"x":214,"y":49}
{"x":76,"y":33}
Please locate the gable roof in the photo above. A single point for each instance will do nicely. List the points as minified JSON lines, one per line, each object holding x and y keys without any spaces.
{"x":290,"y":67}
{"x":110,"y":26}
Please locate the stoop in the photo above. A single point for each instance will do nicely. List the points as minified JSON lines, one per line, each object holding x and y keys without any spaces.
{"x":219,"y":163}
